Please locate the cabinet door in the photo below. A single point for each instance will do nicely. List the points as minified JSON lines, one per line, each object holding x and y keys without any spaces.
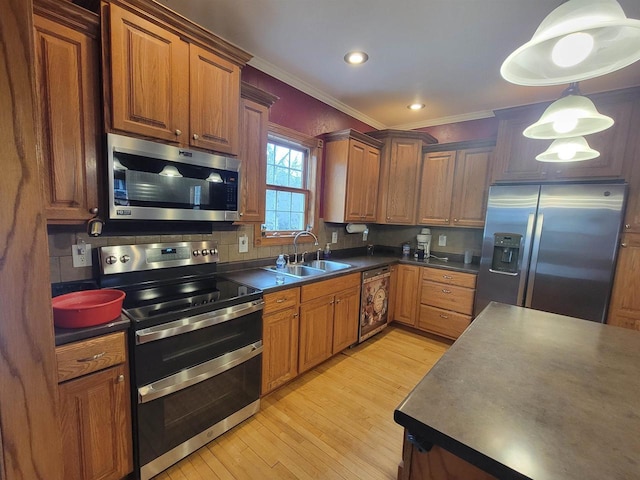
{"x":316,"y":332}
{"x":401,"y":184}
{"x":346,"y":318}
{"x":471,"y":186}
{"x":67,"y":69}
{"x":280,"y":348}
{"x":632,"y":215}
{"x":406,"y":300}
{"x":253,"y":153}
{"x":149,"y":78}
{"x":96,"y":425}
{"x":436,"y":188}
{"x":515,"y":154}
{"x":624,"y":310}
{"x":214,"y":101}
{"x":363,"y":172}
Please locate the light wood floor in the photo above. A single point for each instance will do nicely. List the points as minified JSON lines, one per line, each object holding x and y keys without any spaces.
{"x":333,"y":422}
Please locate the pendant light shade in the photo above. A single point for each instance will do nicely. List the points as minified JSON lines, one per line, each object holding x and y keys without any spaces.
{"x":575,"y":149}
{"x":571,"y":116}
{"x":580,"y":39}
{"x":170,"y":171}
{"x":214,"y":177}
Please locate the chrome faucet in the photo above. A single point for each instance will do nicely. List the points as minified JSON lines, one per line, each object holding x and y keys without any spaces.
{"x":295,"y":243}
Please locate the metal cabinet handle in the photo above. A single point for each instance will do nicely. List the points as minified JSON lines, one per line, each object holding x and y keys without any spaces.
{"x":444,"y":290}
{"x":280,"y":300}
{"x":120,"y":379}
{"x":455,"y":219}
{"x":627,"y":226}
{"x":446,"y":220}
{"x":442,"y":315}
{"x":624,"y":244}
{"x":295,"y":315}
{"x":91,"y":359}
{"x":178,"y":132}
{"x":448,"y":277}
{"x":196,"y":136}
{"x":338,"y":301}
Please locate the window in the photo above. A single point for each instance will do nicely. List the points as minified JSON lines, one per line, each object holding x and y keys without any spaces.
{"x":287,"y":194}
{"x":291,"y":201}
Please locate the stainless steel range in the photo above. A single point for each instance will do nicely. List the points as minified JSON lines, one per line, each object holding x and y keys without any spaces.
{"x":195,"y":346}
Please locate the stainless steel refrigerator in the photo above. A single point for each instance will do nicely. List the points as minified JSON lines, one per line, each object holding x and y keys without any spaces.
{"x":551,"y":247}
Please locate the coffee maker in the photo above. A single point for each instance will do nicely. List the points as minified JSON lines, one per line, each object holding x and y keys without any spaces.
{"x":424,"y":243}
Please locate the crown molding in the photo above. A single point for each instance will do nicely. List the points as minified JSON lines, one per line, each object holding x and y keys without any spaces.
{"x":303,"y":86}
{"x":465,"y":117}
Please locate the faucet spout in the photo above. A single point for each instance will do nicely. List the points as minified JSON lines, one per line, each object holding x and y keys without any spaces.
{"x":295,"y":242}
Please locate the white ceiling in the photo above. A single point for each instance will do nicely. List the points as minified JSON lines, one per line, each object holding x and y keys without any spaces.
{"x":444,"y":53}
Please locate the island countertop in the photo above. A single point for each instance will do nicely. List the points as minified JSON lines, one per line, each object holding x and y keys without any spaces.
{"x":529,"y":394}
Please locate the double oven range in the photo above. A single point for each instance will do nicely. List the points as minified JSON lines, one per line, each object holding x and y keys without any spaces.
{"x":195,"y":347}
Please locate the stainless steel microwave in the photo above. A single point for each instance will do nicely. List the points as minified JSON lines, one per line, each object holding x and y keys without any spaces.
{"x":154,"y":181}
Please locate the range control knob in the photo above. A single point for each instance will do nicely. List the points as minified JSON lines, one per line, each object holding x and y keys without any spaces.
{"x":125,"y":258}
{"x":205,"y":252}
{"x":214,"y":251}
{"x":110,"y":260}
{"x":195,"y":253}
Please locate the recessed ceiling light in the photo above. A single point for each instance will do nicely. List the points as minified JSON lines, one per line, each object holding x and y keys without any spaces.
{"x":356,"y":58}
{"x":416,"y":106}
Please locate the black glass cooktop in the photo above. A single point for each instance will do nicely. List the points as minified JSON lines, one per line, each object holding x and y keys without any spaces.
{"x":167,"y":301}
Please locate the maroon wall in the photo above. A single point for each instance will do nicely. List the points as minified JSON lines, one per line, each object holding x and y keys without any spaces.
{"x":461,"y":131}
{"x":299,"y":111}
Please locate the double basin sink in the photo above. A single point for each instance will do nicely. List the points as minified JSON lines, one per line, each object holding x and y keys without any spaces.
{"x":309,"y":269}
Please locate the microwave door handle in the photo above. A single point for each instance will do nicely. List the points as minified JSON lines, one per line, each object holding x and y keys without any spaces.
{"x":197,"y":374}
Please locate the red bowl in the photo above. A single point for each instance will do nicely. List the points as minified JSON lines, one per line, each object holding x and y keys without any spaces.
{"x":87,"y":308}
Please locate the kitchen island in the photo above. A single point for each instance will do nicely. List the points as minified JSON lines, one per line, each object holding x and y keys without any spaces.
{"x":527,"y":394}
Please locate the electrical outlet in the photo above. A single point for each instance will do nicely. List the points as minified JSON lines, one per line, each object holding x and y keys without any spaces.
{"x":442,"y":240}
{"x":243,"y":244}
{"x":81,"y":255}
{"x":334,"y":237}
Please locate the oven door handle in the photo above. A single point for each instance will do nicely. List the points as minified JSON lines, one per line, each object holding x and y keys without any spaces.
{"x":196,"y":322}
{"x":197,"y":374}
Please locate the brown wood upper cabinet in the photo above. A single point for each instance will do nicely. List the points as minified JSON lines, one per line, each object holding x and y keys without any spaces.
{"x":67,"y":56}
{"x":168,"y":79}
{"x":455,"y":183}
{"x":352,"y":172}
{"x":254,"y":123}
{"x":400,"y":174}
{"x":514,"y":158}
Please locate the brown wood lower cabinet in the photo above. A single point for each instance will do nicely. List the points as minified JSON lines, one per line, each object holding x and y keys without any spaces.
{"x":328,"y":319}
{"x":95,"y":409}
{"x":280,"y":325}
{"x":406,"y":294}
{"x":436,"y":464}
{"x":624,"y":310}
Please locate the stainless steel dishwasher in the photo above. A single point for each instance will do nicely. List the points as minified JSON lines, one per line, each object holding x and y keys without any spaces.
{"x":374,"y":302}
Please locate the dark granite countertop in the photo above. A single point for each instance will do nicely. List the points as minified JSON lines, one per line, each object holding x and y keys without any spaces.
{"x":529,"y":394}
{"x":265,"y":280}
{"x":68,"y":335}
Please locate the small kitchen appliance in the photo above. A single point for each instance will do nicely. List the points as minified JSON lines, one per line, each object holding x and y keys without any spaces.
{"x":195,"y":346}
{"x":424,"y":242}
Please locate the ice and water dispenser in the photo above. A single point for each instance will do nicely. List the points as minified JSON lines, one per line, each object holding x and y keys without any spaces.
{"x":506,"y":251}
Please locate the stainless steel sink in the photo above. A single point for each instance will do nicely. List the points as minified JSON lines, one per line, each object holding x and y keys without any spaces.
{"x":328,"y":265}
{"x":299,"y":270}
{"x":309,"y":269}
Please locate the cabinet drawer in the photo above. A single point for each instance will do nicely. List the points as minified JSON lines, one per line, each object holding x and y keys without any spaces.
{"x":328,"y":287}
{"x":442,"y":322}
{"x":283,"y":299}
{"x":79,"y":358}
{"x":448,"y":297}
{"x":449,"y":277}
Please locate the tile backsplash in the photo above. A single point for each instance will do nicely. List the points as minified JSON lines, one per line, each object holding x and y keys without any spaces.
{"x":61,"y":238}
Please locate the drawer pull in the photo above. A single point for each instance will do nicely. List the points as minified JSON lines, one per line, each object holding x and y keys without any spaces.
{"x":120,"y":378}
{"x":280,"y":300}
{"x":444,"y":290}
{"x":448,"y":277}
{"x":442,"y":315}
{"x":91,"y":359}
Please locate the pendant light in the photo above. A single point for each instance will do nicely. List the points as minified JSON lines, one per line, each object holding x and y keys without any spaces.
{"x":575,"y":149}
{"x":170,"y":171}
{"x":580,"y":39}
{"x":571,"y":116}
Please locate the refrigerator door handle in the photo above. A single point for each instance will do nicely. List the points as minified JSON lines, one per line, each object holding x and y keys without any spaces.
{"x":534,"y":260}
{"x":525,"y":258}
{"x":511,"y":274}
